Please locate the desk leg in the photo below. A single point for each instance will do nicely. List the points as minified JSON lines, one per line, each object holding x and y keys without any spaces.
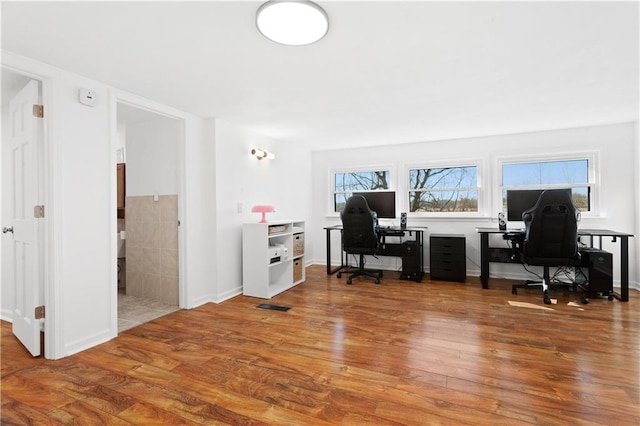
{"x":624,"y":268}
{"x":484,"y":260}
{"x":331,"y":271}
{"x":420,"y":236}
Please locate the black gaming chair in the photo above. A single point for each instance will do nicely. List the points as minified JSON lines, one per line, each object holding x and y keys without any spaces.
{"x":359,"y":235}
{"x":551,"y":237}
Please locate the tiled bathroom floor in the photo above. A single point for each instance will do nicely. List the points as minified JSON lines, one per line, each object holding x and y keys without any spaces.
{"x":133,"y":311}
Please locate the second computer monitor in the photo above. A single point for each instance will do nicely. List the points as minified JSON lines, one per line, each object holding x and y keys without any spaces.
{"x":381,"y":202}
{"x":521,"y":200}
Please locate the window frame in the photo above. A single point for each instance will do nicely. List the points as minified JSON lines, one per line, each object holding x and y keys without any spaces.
{"x":470,"y":162}
{"x":358,"y":169}
{"x":593,"y":176}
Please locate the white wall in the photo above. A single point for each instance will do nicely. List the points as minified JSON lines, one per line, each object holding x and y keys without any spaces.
{"x":121,"y":142}
{"x":80,"y":161}
{"x":153,"y":157}
{"x":199,"y":261}
{"x":615,"y":146}
{"x":244,"y":181}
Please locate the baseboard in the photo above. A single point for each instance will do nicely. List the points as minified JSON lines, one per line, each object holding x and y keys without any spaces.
{"x":6,"y":315}
{"x":200,"y":301}
{"x":230,"y":294}
{"x":87,"y":343}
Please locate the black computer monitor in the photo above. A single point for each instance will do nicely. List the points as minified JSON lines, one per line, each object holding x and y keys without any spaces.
{"x":381,"y":202}
{"x":520,"y":200}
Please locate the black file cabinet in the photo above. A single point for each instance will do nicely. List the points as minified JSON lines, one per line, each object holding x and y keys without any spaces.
{"x":448,"y":257}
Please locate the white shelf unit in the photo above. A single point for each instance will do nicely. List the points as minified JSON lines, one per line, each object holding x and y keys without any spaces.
{"x":261,"y":275}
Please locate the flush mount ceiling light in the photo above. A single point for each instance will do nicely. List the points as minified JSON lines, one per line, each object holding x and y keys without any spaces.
{"x":294,"y":23}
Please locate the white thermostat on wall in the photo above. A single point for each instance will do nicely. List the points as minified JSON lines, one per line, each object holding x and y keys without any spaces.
{"x":87,"y":97}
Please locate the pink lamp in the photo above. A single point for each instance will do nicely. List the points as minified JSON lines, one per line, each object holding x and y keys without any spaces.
{"x":263,"y":209}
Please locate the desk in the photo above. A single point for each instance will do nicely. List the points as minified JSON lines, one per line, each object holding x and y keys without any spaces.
{"x":503,"y":254}
{"x":386,"y":249}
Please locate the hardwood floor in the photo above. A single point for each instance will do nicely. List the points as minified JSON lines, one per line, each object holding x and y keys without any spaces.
{"x":395,"y":353}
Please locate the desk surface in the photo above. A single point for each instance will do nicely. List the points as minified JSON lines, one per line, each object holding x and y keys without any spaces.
{"x":582,"y":232}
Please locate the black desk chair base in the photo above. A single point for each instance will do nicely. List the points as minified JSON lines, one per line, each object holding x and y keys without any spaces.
{"x":361,"y":271}
{"x":546,"y":283}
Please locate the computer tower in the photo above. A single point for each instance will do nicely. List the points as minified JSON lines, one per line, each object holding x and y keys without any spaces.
{"x":411,"y":264}
{"x":598,"y":265}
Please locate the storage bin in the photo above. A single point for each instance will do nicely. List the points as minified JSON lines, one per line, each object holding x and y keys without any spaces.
{"x":277,"y":229}
{"x":298,"y":245}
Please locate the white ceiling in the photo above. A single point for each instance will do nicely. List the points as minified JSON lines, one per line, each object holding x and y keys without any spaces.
{"x":387,"y":72}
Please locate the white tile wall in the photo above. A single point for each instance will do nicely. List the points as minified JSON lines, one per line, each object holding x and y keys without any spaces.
{"x":152,"y":247}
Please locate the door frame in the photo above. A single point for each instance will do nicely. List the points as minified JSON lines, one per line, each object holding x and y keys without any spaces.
{"x":121,"y":97}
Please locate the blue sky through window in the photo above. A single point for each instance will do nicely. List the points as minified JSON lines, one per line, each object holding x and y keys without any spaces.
{"x":546,"y":173}
{"x":573,"y":173}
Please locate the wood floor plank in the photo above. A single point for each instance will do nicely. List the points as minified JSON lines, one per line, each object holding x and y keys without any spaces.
{"x":14,"y":412}
{"x":149,"y":414}
{"x":397,"y":353}
{"x":89,"y":413}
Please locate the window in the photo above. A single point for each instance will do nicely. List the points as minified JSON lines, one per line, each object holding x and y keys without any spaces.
{"x":446,"y":189}
{"x":570,"y":173}
{"x":357,"y":181}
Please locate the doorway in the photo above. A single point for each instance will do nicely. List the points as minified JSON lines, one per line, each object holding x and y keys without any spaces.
{"x":148,"y":169}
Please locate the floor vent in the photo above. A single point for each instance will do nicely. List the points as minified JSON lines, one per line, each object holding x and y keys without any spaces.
{"x":273,"y":307}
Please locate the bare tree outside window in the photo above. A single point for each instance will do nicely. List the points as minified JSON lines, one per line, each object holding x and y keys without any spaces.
{"x":349,"y":182}
{"x":450,"y":189}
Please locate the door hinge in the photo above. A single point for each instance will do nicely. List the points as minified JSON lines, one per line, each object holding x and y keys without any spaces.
{"x":38,"y":111}
{"x":38,"y":211}
{"x":39,"y":312}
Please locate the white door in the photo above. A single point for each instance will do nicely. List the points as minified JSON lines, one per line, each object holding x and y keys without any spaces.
{"x":24,"y":149}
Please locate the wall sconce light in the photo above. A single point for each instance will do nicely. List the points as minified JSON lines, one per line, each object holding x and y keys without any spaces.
{"x":260,"y":154}
{"x":263,"y":209}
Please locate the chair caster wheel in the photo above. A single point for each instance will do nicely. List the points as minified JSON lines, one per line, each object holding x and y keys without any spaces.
{"x":610,"y":298}
{"x":339,"y":275}
{"x":584,"y":300}
{"x":547,"y":301}
{"x":349,"y":281}
{"x":377,"y":281}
